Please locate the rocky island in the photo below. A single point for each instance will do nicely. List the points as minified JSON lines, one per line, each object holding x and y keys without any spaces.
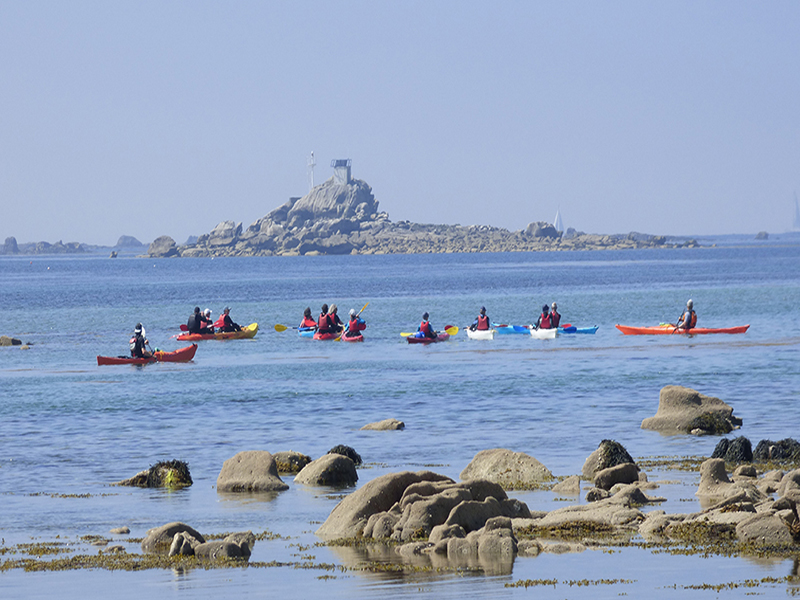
{"x":341,"y":216}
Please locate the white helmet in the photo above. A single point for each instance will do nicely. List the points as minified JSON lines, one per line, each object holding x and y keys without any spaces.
{"x":689,"y":304}
{"x":207,"y":312}
{"x":352,"y":312}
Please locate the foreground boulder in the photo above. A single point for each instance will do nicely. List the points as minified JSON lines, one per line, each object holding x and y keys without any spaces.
{"x":512,"y":470}
{"x":350,"y":516}
{"x":331,"y":469}
{"x":714,"y":483}
{"x":608,"y":454}
{"x":251,"y":471}
{"x":684,"y":410}
{"x":159,"y":539}
{"x":173,"y":474}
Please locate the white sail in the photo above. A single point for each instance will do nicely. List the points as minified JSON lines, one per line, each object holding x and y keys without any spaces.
{"x":796,"y":224}
{"x":557,"y":223}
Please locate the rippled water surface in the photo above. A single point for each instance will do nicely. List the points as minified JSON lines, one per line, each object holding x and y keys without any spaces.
{"x":69,"y":427}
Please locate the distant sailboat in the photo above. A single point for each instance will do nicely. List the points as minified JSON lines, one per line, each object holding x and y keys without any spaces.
{"x":796,"y":224}
{"x":559,"y":225}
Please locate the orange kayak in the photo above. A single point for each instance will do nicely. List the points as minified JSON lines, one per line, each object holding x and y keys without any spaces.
{"x":180,"y":355}
{"x":671,"y":329}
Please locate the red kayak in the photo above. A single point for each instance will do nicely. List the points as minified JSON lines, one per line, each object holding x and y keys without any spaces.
{"x":671,"y":329}
{"x":181,"y":355}
{"x":245,"y":333}
{"x":326,"y":336}
{"x":442,"y":336}
{"x":354,"y":338}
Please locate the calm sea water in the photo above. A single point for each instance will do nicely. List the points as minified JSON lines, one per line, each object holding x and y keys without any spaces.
{"x":70,"y":427}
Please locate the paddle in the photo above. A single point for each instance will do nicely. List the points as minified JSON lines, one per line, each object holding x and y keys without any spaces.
{"x":280,"y":327}
{"x":358,"y":314}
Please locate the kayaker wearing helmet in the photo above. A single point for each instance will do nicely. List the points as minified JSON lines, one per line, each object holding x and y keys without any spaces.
{"x":207,"y":321}
{"x":336,"y":322}
{"x":555,"y":318}
{"x":308,"y":322}
{"x":227,"y":322}
{"x":688,"y":319}
{"x":355,"y":325}
{"x":138,"y":343}
{"x":544,"y":321}
{"x":324,"y":325}
{"x":425,"y":328}
{"x":482,"y":323}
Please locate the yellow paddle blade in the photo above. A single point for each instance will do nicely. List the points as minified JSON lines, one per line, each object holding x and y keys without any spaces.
{"x":406,"y":334}
{"x":362,"y":310}
{"x":452,"y":330}
{"x":281,"y":328}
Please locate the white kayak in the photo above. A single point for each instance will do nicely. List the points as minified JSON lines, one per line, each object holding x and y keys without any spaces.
{"x":543,"y":334}
{"x":480,"y":334}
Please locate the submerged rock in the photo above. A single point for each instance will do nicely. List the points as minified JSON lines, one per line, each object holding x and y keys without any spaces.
{"x":608,"y":454}
{"x":346,"y":451}
{"x":291,"y":461}
{"x":385,"y":425}
{"x":173,"y":474}
{"x":159,"y":539}
{"x":331,"y":469}
{"x":251,"y":471}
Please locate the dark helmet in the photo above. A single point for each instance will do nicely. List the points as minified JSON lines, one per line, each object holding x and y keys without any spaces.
{"x":138,"y":328}
{"x":324,"y":308}
{"x":483,"y":309}
{"x":545,"y":308}
{"x":307,"y":311}
{"x":425,"y":316}
{"x":196,"y":309}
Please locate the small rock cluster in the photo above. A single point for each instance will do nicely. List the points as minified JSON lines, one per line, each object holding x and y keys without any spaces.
{"x":180,"y":539}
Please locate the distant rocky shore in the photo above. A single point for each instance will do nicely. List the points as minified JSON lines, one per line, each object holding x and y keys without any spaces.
{"x":11,"y":248}
{"x":343,"y":218}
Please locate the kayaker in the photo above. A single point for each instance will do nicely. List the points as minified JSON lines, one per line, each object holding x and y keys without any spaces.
{"x":555,"y":318}
{"x":324,"y":324}
{"x":355,"y":325}
{"x":689,"y":318}
{"x":227,"y":322}
{"x":425,"y":328}
{"x":207,"y":321}
{"x":195,"y":322}
{"x":138,"y":343}
{"x":544,"y":321}
{"x":336,"y":322}
{"x":308,"y":322}
{"x":482,"y":323}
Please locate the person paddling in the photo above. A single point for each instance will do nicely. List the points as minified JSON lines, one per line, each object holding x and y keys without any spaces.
{"x":544,"y":321}
{"x":196,"y":323}
{"x":425,"y":328}
{"x":227,"y":322}
{"x":139,"y":342}
{"x":555,"y":317}
{"x":355,"y":325}
{"x":336,"y":322}
{"x":308,"y":322}
{"x":207,"y":321}
{"x":482,"y":323}
{"x":324,"y":325}
{"x":688,"y":319}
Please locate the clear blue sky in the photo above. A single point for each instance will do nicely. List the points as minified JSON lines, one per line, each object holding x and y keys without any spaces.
{"x":157,"y":117}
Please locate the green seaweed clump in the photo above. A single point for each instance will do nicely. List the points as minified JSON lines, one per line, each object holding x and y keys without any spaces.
{"x":710,"y":422}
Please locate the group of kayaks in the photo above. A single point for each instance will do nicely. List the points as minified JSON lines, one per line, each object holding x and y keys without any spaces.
{"x":186,"y":354}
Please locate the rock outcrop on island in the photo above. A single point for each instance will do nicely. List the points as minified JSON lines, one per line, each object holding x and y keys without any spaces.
{"x":11,"y":247}
{"x":343,"y":218}
{"x":128,"y":241}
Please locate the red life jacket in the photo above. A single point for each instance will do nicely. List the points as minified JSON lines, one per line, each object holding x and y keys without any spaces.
{"x":308,"y":322}
{"x":555,"y":319}
{"x":426,"y":329}
{"x":354,"y":326}
{"x":545,"y":322}
{"x":483,"y":323}
{"x":325,"y":324}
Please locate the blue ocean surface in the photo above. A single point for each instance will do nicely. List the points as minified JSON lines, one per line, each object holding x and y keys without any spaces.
{"x":69,"y":428}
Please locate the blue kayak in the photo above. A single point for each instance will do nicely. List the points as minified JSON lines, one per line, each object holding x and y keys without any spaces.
{"x":573,"y":329}
{"x":511,"y":328}
{"x":306,"y":332}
